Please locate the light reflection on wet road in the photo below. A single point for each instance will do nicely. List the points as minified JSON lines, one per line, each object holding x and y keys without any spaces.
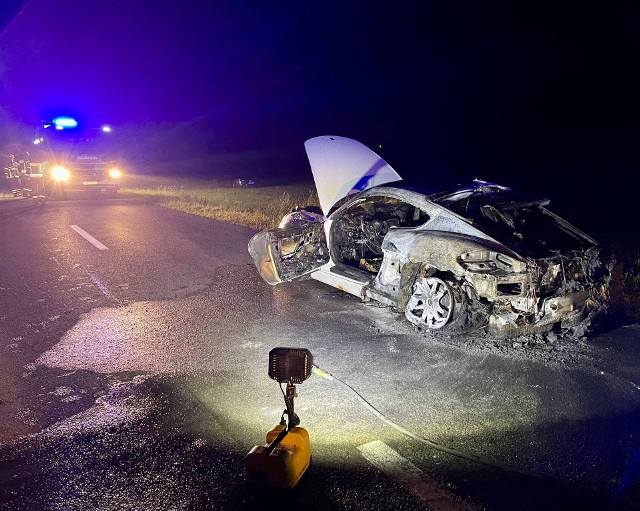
{"x":151,"y":398}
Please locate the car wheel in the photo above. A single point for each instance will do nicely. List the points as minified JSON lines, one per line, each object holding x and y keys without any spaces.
{"x":432,"y":303}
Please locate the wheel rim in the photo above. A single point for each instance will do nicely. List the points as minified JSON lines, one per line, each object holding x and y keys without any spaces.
{"x":431,"y":304}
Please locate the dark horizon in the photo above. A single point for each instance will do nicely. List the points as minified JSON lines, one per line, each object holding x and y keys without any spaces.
{"x":541,"y":97}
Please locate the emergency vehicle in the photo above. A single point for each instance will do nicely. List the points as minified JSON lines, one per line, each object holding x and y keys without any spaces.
{"x":69,"y":157}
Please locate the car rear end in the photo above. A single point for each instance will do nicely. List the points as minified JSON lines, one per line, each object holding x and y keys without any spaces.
{"x":562,"y":274}
{"x":559,"y":291}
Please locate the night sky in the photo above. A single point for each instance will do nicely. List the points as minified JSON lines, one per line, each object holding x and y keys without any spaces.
{"x":531,"y":95}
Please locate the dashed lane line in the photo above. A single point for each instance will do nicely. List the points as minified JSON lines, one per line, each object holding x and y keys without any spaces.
{"x":89,"y":238}
{"x":93,"y":276}
{"x":388,"y":461}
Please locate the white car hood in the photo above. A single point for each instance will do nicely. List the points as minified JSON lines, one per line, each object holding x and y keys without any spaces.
{"x":342,"y":166}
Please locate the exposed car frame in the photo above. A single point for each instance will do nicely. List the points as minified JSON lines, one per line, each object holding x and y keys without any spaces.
{"x":473,"y":258}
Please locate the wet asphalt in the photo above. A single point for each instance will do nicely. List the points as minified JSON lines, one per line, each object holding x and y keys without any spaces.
{"x":136,"y":378}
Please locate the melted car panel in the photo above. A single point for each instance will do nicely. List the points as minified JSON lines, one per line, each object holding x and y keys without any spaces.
{"x":283,"y":255}
{"x":474,"y":258}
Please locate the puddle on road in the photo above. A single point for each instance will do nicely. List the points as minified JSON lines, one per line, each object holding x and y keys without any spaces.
{"x":125,"y":402}
{"x":183,"y":335}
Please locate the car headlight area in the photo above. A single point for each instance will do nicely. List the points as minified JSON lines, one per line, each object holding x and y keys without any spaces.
{"x":60,"y":174}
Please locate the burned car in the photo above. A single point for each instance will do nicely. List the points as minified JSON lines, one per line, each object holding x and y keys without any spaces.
{"x":475,"y":258}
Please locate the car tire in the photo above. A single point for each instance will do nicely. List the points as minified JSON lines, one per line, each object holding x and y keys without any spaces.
{"x":437,"y":303}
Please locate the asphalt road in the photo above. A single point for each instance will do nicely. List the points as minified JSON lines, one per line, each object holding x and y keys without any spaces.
{"x":134,"y":343}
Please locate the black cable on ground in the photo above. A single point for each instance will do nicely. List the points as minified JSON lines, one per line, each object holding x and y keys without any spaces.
{"x":454,"y":452}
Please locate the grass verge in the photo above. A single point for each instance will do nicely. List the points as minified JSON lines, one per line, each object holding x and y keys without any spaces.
{"x":256,"y":207}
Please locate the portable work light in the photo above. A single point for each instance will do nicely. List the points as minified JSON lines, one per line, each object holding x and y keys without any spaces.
{"x":290,"y":365}
{"x":285,"y":457}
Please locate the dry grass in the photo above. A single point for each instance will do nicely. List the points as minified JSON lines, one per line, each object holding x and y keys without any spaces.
{"x":256,"y":207}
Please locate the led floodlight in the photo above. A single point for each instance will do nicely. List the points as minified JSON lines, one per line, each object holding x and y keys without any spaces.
{"x":283,"y":460}
{"x":290,"y":365}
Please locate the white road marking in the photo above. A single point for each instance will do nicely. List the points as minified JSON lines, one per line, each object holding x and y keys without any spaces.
{"x":411,"y":477}
{"x":98,"y":283}
{"x":89,"y":238}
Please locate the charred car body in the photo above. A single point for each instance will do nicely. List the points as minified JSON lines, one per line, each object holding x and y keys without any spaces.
{"x":474,"y":258}
{"x":68,"y":157}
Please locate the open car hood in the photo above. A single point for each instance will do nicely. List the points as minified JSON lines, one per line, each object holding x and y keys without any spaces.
{"x":342,"y":166}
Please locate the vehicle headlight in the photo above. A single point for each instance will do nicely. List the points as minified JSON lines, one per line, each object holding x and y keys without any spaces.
{"x":115,"y":173}
{"x":60,"y":173}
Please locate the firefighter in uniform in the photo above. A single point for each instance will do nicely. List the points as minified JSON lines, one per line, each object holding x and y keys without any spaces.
{"x":25,"y":174}
{"x":12,"y":171}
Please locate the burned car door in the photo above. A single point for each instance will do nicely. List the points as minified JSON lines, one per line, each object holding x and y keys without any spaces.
{"x":282,"y":255}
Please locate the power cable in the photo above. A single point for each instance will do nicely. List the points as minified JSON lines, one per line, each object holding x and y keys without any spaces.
{"x":454,"y":452}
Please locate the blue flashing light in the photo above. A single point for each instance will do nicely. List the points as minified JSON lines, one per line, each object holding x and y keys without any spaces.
{"x":106,"y":129}
{"x":65,"y":122}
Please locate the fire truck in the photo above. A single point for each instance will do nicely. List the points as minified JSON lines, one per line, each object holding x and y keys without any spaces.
{"x":69,"y":157}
